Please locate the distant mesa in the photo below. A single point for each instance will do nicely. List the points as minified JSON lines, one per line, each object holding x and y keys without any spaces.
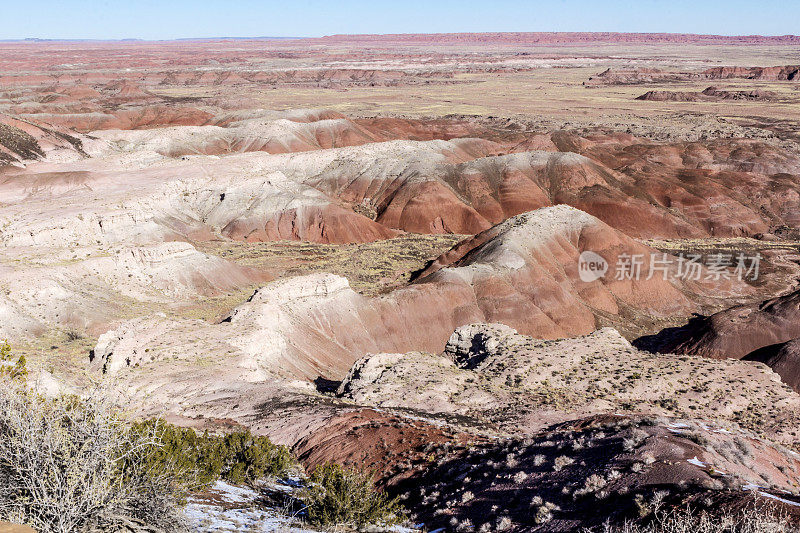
{"x":710,"y":94}
{"x":557,"y":38}
{"x":639,"y":76}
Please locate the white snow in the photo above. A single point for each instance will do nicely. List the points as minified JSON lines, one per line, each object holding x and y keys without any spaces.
{"x":232,"y":509}
{"x":228,"y":509}
{"x":697,"y":462}
{"x":782,"y":500}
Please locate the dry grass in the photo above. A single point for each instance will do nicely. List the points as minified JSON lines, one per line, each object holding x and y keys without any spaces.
{"x":751,"y":520}
{"x":720,"y":245}
{"x":372,"y":268}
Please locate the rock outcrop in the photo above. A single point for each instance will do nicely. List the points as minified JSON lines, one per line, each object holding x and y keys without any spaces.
{"x":90,"y":293}
{"x":522,"y":384}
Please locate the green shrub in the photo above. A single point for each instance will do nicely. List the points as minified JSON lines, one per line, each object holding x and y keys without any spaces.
{"x":8,"y":367}
{"x":246,"y":458}
{"x":199,"y":460}
{"x":343,"y":496}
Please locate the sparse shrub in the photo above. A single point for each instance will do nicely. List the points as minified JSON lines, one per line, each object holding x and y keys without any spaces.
{"x":670,"y":404}
{"x":648,"y":421}
{"x":561,"y":461}
{"x":338,"y":496}
{"x":592,"y":485}
{"x":544,"y":511}
{"x":635,"y":440}
{"x":74,"y":335}
{"x":651,"y":507}
{"x":464,"y":525}
{"x":503,"y":523}
{"x":511,"y":460}
{"x":68,"y":463}
{"x":520,"y":477}
{"x":750,"y":520}
{"x":743,"y":446}
{"x":698,"y":438}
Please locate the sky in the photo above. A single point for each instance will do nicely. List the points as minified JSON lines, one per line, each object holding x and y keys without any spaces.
{"x":174,"y":19}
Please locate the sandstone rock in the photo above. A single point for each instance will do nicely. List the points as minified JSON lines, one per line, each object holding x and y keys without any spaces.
{"x":470,"y":345}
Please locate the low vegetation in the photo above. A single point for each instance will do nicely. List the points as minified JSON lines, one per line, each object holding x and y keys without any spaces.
{"x":342,"y":496}
{"x":371,"y":268}
{"x":11,"y":366}
{"x":750,"y":520}
{"x":20,"y":142}
{"x":71,"y":464}
{"x":199,"y":460}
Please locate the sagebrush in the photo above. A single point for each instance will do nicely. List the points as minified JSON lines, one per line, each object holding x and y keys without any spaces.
{"x":754,"y":519}
{"x":72,"y":464}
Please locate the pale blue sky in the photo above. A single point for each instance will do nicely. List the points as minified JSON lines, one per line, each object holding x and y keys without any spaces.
{"x":166,"y":19}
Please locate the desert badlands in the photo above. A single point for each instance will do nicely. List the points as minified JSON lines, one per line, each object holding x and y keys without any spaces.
{"x":460,"y":282}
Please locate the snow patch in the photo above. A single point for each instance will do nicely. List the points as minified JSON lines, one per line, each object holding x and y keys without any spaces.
{"x":696,"y":462}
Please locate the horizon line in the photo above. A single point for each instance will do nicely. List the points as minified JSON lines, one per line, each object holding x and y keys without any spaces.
{"x":406,"y":34}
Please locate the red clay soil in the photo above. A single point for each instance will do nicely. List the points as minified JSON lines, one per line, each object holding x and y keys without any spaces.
{"x":128,"y":119}
{"x":329,"y":224}
{"x":553,"y":481}
{"x":393,"y":447}
{"x":721,"y":188}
